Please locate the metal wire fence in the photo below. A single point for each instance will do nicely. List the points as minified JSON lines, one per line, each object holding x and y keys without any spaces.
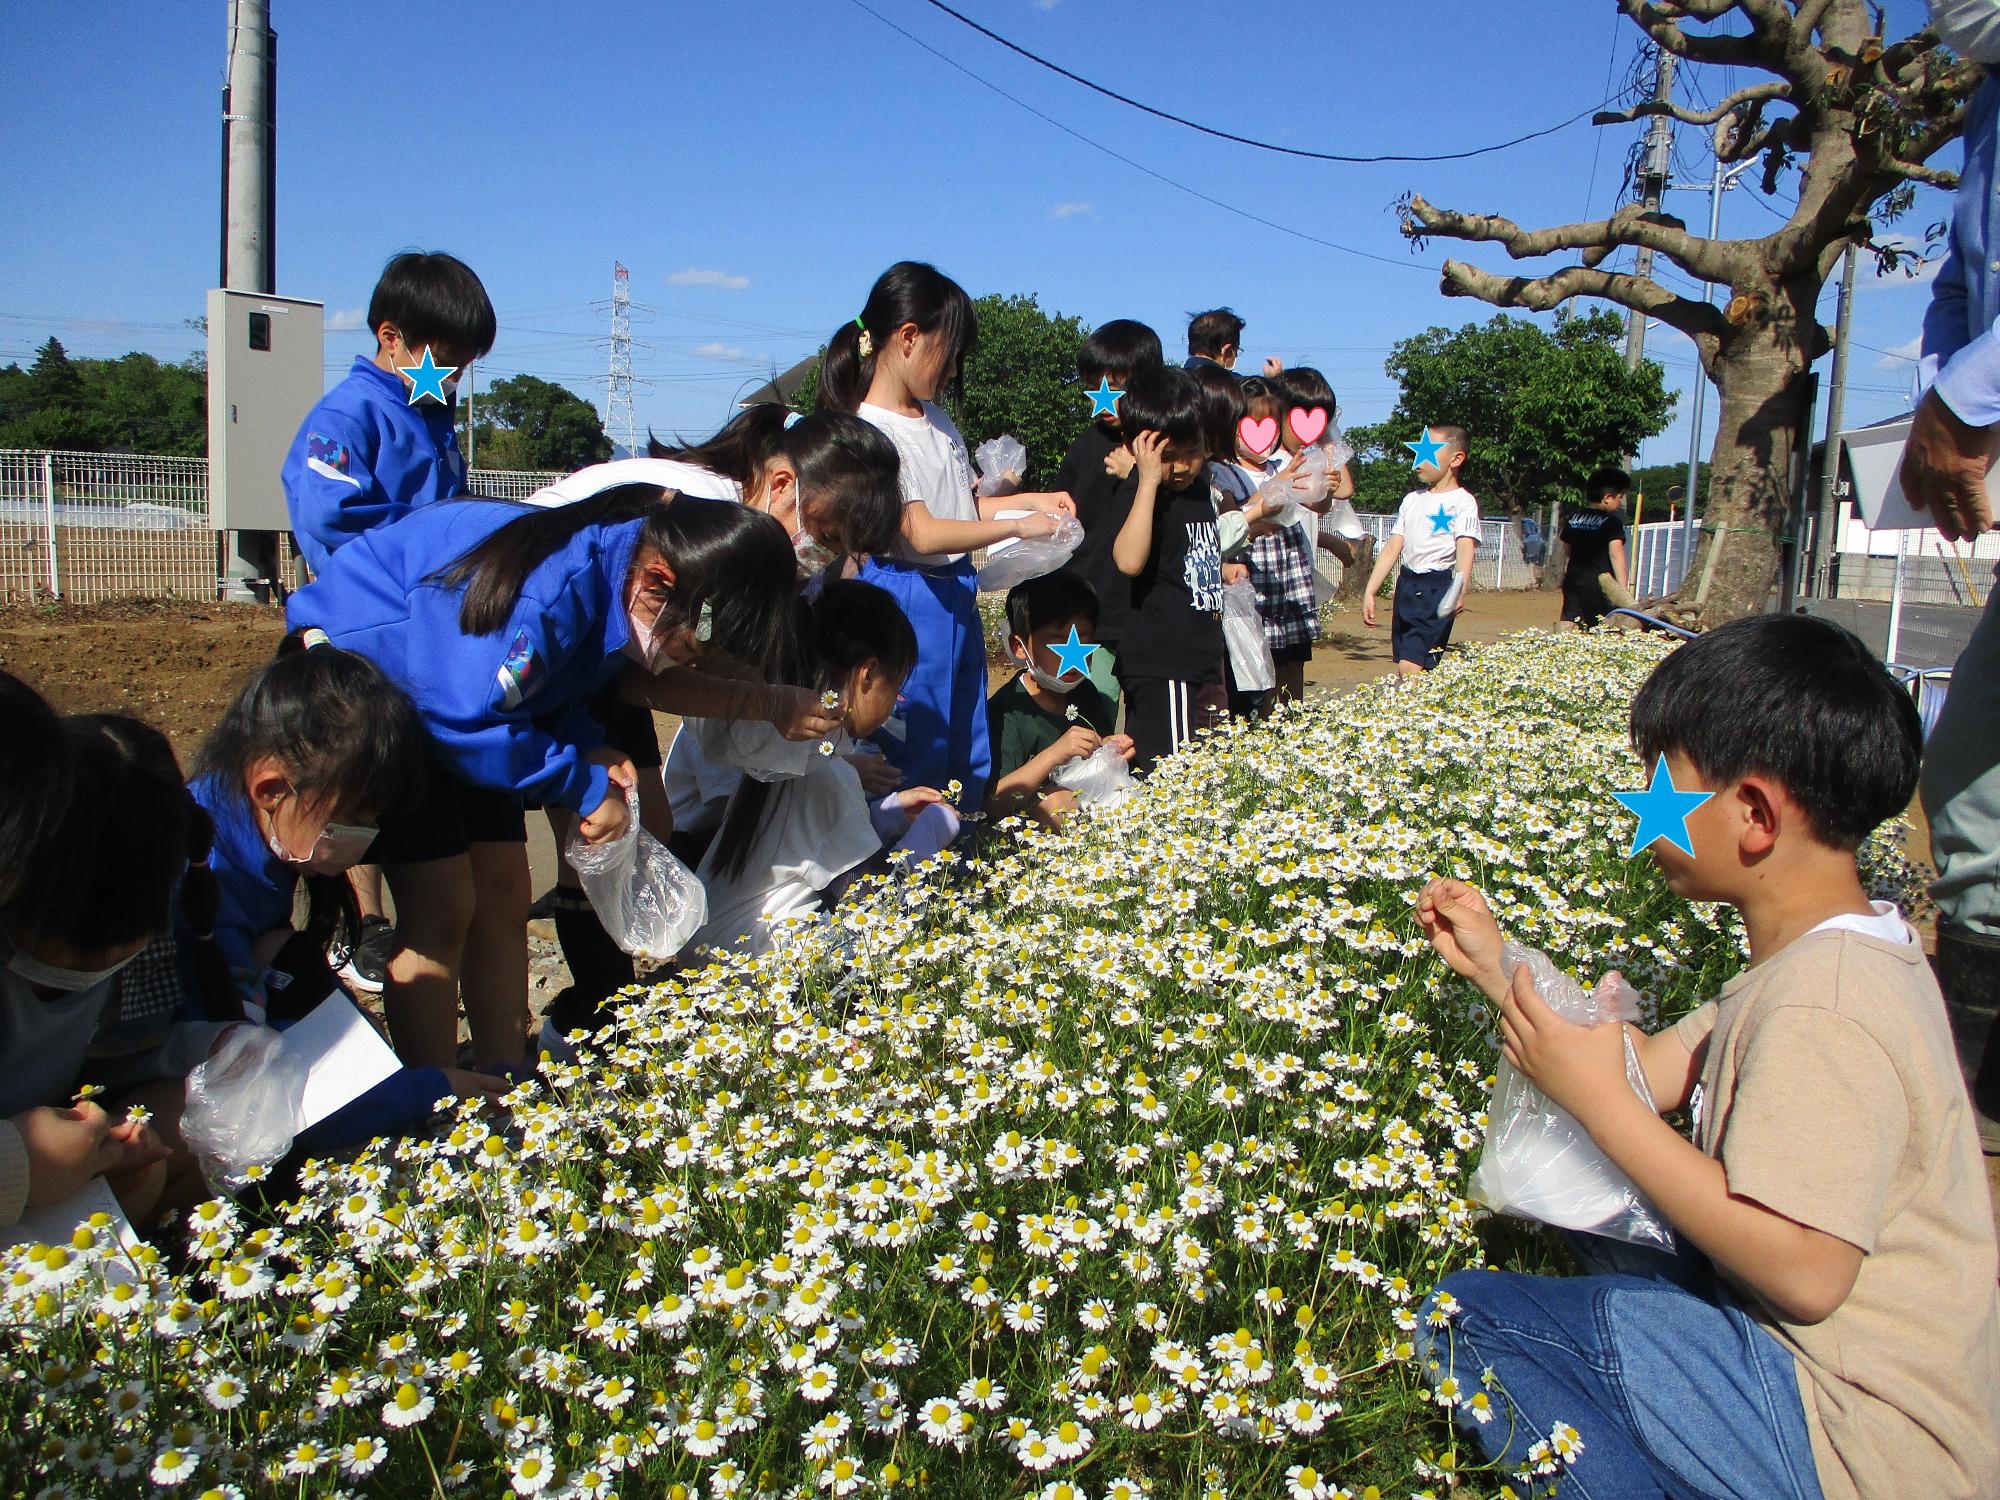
{"x":86,"y":527}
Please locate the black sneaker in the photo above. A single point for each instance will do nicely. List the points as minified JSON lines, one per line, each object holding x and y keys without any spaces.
{"x":367,"y":967}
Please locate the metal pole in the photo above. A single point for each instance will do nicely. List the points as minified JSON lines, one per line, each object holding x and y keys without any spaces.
{"x":1825,"y":538}
{"x":1715,"y":187}
{"x":1659,"y":151}
{"x":49,"y":520}
{"x":471,"y":381}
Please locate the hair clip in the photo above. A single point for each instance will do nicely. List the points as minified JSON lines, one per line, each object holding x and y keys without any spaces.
{"x":313,"y":636}
{"x":704,"y":624}
{"x":792,"y":419}
{"x":864,"y":343}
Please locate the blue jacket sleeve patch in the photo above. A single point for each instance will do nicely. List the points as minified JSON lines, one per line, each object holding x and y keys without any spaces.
{"x":329,"y":451}
{"x":520,"y":671}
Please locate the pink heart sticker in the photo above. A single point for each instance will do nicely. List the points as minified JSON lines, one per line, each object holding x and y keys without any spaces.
{"x":1307,"y":423}
{"x":1259,"y":434}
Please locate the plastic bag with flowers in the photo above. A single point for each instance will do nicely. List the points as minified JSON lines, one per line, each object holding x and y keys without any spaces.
{"x":1538,"y":1162}
{"x":649,"y":902}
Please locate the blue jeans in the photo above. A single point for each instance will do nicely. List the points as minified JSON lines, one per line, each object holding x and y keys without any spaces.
{"x":1674,"y":1388}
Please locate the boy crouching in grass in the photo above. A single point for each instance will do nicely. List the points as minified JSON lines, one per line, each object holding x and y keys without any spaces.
{"x":1829,"y":1326}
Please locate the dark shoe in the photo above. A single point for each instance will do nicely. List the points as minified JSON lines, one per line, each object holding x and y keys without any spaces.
{"x":367,"y":967}
{"x":1968,"y":971}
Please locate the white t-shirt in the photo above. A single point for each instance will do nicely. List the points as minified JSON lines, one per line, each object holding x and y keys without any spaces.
{"x":669,"y":473}
{"x":935,"y":470}
{"x":1430,"y":523}
{"x":815,"y":829}
{"x":1885,"y":923}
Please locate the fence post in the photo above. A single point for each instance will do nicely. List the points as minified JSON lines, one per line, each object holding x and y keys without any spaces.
{"x":1500,"y":558}
{"x":49,"y":521}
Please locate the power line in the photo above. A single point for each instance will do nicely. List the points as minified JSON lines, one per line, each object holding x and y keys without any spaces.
{"x":1244,"y":140}
{"x":1230,"y":208}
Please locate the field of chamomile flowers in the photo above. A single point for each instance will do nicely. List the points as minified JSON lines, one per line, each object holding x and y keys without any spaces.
{"x":1111,"y":1164}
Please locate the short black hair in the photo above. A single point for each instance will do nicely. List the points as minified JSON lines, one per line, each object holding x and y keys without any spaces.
{"x":1797,"y":699}
{"x":434,"y":298}
{"x":1605,"y":482}
{"x":1304,"y":386}
{"x":1117,"y":351}
{"x":1209,"y":331}
{"x":1223,"y":406}
{"x":1049,"y":600}
{"x":1166,"y":401}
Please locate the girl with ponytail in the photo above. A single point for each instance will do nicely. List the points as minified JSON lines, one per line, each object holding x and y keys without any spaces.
{"x":503,"y":624}
{"x":890,"y":365}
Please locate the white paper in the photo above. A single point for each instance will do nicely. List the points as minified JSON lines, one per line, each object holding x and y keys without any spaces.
{"x":345,"y":1057}
{"x":56,"y":1225}
{"x":1874,"y":454}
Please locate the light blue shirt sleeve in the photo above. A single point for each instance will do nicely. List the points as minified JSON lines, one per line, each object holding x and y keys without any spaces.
{"x":1961,"y":339}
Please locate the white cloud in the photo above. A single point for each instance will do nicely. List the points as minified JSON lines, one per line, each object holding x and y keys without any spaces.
{"x":1070,"y":209}
{"x":1045,"y":4}
{"x":1902,"y":356}
{"x":350,"y":321}
{"x":722,"y":279}
{"x":719,"y":351}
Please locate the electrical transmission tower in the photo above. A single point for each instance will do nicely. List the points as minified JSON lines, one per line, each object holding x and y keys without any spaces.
{"x":619,"y":423}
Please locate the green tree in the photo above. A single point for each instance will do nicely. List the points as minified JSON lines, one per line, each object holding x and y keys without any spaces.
{"x":1542,"y":408}
{"x":1020,"y":381}
{"x":1811,"y":87}
{"x":134,"y":401}
{"x":1655,"y":480}
{"x":525,"y":422}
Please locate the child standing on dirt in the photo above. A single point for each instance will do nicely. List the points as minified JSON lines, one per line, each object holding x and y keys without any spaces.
{"x":1436,"y":534}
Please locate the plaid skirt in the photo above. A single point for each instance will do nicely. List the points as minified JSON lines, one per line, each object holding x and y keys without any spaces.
{"x":1281,"y":570}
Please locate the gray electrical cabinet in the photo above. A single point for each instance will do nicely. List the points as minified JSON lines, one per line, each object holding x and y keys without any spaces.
{"x":266,"y":368}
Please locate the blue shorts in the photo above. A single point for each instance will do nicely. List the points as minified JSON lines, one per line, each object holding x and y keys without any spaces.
{"x":1416,"y":633}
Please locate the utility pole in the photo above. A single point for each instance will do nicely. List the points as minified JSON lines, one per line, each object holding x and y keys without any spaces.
{"x":249,"y":221}
{"x":1652,"y":183}
{"x":1836,"y":399}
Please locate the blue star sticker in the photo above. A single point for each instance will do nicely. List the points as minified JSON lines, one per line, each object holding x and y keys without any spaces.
{"x":1104,"y":400}
{"x":1072,"y":655}
{"x":1440,"y":520}
{"x":1663,"y":811}
{"x":429,"y":376}
{"x":1427,"y":449}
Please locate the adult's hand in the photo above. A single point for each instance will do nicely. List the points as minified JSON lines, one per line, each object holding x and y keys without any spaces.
{"x":1944,"y":469}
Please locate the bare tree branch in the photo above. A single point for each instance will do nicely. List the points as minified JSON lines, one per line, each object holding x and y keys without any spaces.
{"x":1756,"y":94}
{"x":1808,"y":18}
{"x":1543,"y":293}
{"x":1910,"y":171}
{"x":1631,"y":225}
{"x":1658,"y":22}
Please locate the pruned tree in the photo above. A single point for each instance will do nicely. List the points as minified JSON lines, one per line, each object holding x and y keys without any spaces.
{"x":1858,"y":118}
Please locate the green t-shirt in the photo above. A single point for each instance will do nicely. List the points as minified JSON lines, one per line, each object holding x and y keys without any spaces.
{"x":1021,"y":729}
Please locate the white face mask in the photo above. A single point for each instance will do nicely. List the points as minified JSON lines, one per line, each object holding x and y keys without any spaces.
{"x":25,"y":966}
{"x":639,"y":642}
{"x":337,"y":847}
{"x":1049,"y":680}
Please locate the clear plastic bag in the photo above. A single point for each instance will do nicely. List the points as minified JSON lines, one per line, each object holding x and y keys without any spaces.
{"x":1288,"y":496}
{"x":1250,"y":659}
{"x":1341,"y":521}
{"x":1016,"y":561}
{"x":1448,"y":605}
{"x":1538,"y":1163}
{"x":649,"y":902}
{"x":244,"y":1104}
{"x":1002,"y":461}
{"x":1099,"y":779}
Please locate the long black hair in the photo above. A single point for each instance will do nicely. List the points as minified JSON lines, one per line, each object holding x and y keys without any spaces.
{"x":908,"y":292}
{"x":348,"y":736}
{"x":117,"y":837}
{"x":1222,"y":406}
{"x":848,"y":624}
{"x":848,"y":470}
{"x":735,"y":561}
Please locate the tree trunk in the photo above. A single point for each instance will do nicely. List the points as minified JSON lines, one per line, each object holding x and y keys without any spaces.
{"x":1759,"y":371}
{"x":1354,"y":575}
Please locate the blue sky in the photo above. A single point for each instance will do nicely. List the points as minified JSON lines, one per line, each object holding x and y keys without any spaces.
{"x":757,"y":164}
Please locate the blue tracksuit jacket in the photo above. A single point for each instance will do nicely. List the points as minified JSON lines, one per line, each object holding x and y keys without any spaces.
{"x":508,"y":711}
{"x":363,"y":457}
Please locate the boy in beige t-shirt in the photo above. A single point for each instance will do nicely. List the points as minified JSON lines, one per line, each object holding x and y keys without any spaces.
{"x":1829,"y":1326}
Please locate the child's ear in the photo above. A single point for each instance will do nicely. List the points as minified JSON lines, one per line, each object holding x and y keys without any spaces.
{"x":1022,"y":650}
{"x":266,"y":782}
{"x":656,"y":574}
{"x":1763,"y":809}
